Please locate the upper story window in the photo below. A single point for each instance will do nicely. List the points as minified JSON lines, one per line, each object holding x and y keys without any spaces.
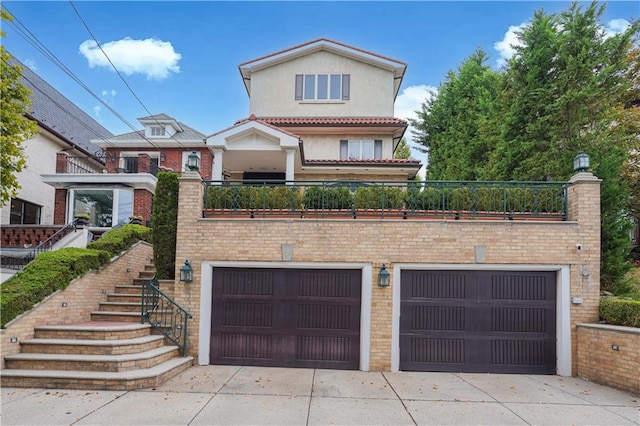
{"x":157,"y":131}
{"x":361,"y":149}
{"x":322,"y":87}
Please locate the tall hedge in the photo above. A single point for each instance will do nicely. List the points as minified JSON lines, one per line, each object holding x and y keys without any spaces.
{"x":120,"y":239}
{"x":165,"y":222}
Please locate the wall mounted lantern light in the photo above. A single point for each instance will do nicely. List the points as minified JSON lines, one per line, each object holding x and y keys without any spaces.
{"x":186,"y":273}
{"x":193,"y":161}
{"x":581,"y":162}
{"x":384,"y":277}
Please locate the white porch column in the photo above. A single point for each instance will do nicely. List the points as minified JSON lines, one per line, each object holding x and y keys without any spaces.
{"x":290,"y":174}
{"x":216,"y":169}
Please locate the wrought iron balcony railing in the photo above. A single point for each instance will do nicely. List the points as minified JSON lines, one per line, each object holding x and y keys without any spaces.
{"x":387,"y":199}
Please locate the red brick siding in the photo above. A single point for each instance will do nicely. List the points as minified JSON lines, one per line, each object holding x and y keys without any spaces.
{"x":142,"y":204}
{"x":61,"y":162}
{"x":60,"y":207}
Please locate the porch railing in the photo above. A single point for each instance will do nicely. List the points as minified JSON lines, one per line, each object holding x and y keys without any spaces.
{"x":387,"y":199}
{"x":164,"y":314}
{"x":79,"y":165}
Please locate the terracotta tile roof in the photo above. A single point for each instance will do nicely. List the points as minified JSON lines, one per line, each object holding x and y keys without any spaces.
{"x":317,"y":40}
{"x":332,"y":121}
{"x":257,"y":120}
{"x":378,"y":162}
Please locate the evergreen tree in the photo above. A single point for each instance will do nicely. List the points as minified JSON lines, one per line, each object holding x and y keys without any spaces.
{"x":402,"y":151}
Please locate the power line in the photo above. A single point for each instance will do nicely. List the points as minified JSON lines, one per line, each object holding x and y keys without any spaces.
{"x":118,"y":72}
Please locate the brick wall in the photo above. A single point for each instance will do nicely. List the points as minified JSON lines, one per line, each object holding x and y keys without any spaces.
{"x":21,"y":236}
{"x":172,"y":159}
{"x":61,"y":162}
{"x":142,"y":204}
{"x":82,"y":296}
{"x":600,"y":362}
{"x":60,"y":207}
{"x":391,"y":242}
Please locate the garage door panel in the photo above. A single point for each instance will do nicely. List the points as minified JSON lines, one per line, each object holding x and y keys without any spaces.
{"x":301,"y":318}
{"x":505,"y":322}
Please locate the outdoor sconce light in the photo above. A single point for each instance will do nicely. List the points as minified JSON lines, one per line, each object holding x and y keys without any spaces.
{"x":193,"y":162}
{"x":581,"y":162}
{"x":383,"y":277}
{"x":186,"y":273}
{"x":163,"y":157}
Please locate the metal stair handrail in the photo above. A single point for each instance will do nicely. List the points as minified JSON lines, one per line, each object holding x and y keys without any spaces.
{"x":164,"y":314}
{"x":49,"y":242}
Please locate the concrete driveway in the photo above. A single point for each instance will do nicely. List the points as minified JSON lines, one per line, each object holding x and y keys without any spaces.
{"x":207,"y":395}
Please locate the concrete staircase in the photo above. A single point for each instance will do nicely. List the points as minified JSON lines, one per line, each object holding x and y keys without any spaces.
{"x":113,"y":351}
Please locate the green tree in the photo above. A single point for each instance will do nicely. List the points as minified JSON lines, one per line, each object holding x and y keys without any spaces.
{"x":15,"y":128}
{"x":164,"y":224}
{"x":453,"y":125}
{"x":402,"y":151}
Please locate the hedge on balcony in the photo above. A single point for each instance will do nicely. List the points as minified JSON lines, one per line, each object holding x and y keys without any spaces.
{"x":120,"y":239}
{"x":49,"y":272}
{"x":253,"y":197}
{"x":620,"y":312}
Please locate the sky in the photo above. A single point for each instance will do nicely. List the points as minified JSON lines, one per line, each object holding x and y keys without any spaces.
{"x":181,"y":58}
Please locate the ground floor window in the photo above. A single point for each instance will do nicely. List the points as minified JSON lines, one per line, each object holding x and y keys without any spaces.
{"x":24,"y":213}
{"x":105,"y":207}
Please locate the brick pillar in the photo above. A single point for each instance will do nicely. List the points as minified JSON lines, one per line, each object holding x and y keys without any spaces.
{"x":111,"y":161}
{"x":144,"y":163}
{"x":190,"y":203}
{"x":584,"y":209}
{"x":142,"y":204}
{"x":60,"y":207}
{"x":61,"y":162}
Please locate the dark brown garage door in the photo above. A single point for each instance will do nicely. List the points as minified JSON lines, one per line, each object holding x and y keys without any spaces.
{"x":286,"y":318}
{"x":478,"y":321}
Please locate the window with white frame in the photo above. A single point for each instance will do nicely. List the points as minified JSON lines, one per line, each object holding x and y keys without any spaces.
{"x":105,"y":207}
{"x":24,"y":213}
{"x":322,"y":87}
{"x":157,"y":131}
{"x":361,"y":149}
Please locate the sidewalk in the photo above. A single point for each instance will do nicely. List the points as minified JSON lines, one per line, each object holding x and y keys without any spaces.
{"x":206,"y":395}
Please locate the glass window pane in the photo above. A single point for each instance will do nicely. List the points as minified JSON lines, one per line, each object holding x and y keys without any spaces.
{"x":367,"y":150}
{"x":335,"y":86}
{"x":98,"y":203}
{"x":125,"y":206}
{"x":31,"y":214}
{"x":16,"y":212}
{"x":310,"y":86}
{"x":354,"y":150}
{"x":323,"y":83}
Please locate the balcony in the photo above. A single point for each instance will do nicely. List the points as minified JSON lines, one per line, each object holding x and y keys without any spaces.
{"x":454,"y":200}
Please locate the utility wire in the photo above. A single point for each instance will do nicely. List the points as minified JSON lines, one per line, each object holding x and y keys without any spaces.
{"x":118,"y":72}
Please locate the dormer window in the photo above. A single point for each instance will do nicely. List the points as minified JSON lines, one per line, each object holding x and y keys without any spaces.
{"x":322,"y":87}
{"x":157,"y":131}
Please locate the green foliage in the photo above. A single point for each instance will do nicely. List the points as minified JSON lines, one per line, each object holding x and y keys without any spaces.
{"x":165,"y":223}
{"x":620,"y":312}
{"x":378,"y":197}
{"x":120,"y":239}
{"x":319,"y":197}
{"x":49,"y":272}
{"x":15,"y":128}
{"x":402,"y":151}
{"x":253,"y":197}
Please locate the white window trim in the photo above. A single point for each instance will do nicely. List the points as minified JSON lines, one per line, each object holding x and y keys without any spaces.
{"x":115,"y":207}
{"x":315,"y":89}
{"x":163,"y":131}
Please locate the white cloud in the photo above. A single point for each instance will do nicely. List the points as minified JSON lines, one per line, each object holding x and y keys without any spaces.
{"x":152,"y":57}
{"x":506,"y":46}
{"x":407,"y":103}
{"x":30,"y":63}
{"x":96,"y":112}
{"x":615,"y":26}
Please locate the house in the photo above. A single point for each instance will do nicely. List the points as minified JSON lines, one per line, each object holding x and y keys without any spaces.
{"x":309,"y":245}
{"x":62,"y":128}
{"x":126,"y":185}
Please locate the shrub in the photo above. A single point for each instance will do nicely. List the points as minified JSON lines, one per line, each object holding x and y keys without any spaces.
{"x":620,"y":312}
{"x":318,"y":197}
{"x":253,"y":197}
{"x":120,"y":239}
{"x":47,"y":273}
{"x":165,"y":224}
{"x":378,"y":197}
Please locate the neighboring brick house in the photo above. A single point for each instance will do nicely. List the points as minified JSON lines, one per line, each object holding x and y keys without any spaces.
{"x":63,"y":141}
{"x":403,"y":287}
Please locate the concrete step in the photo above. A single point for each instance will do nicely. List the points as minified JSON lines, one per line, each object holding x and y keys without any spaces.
{"x":128,"y":289}
{"x":77,"y":362}
{"x":139,"y":281}
{"x":116,"y":316}
{"x":92,"y":347}
{"x":120,"y":307}
{"x":95,"y":380}
{"x":146,"y":274}
{"x":93,"y":331}
{"x":127,"y":298}
{"x":149,"y":267}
